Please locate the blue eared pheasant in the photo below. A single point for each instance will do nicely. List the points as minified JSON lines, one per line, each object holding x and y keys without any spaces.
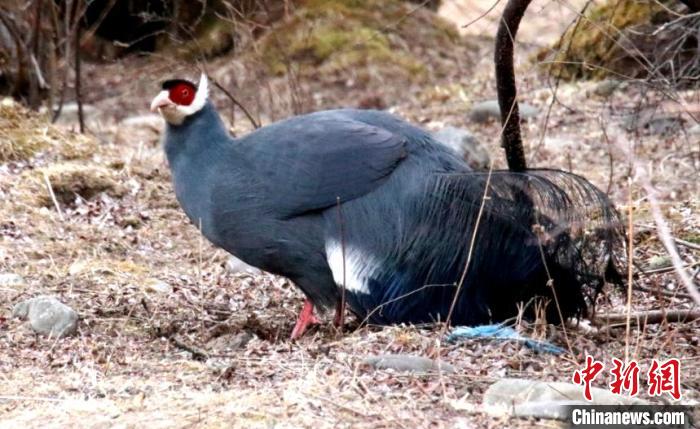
{"x":362,"y":202}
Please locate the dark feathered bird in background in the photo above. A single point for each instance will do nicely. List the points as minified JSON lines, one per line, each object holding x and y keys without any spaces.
{"x":363,"y":201}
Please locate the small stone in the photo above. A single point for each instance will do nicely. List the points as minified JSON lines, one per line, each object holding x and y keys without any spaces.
{"x":652,"y":121}
{"x":47,"y":315}
{"x":484,"y":111}
{"x":158,"y":286}
{"x":150,"y":121}
{"x":407,"y":363}
{"x":229,"y":342}
{"x":658,"y":262}
{"x":235,"y":266}
{"x":465,"y":145}
{"x":141,"y":128}
{"x":69,"y":113}
{"x":605,"y":88}
{"x":11,"y":280}
{"x":509,"y":392}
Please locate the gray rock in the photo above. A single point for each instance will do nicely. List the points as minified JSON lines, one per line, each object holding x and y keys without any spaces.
{"x":665,"y":125}
{"x":151,"y":122}
{"x":69,"y":113}
{"x":228,"y":342}
{"x":47,"y":315}
{"x":606,"y":88}
{"x":658,"y":261}
{"x":552,"y":410}
{"x":141,"y":128}
{"x":484,"y":111}
{"x":652,"y":121}
{"x":465,"y":144}
{"x":407,"y":363}
{"x":235,"y":266}
{"x":158,"y":286}
{"x":513,"y":391}
{"x":694,"y":130}
{"x":10,"y":280}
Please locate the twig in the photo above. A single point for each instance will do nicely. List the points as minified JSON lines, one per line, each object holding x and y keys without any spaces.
{"x":197,"y":353}
{"x":472,"y":242}
{"x":78,"y":95}
{"x":340,"y":316}
{"x":630,"y":258}
{"x":237,"y":103}
{"x":669,"y":269}
{"x":668,"y":241}
{"x":662,"y":228}
{"x":53,"y":196}
{"x":659,"y":291}
{"x":687,"y":244}
{"x":511,"y":138}
{"x":29,"y":398}
{"x":649,"y":317}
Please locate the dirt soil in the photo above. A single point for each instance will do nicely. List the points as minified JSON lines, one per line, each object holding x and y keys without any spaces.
{"x":170,"y":337}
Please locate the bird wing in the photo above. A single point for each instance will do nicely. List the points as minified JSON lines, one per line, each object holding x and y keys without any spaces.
{"x":307,"y":165}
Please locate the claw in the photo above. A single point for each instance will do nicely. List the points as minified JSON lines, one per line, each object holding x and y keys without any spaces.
{"x":306,"y":318}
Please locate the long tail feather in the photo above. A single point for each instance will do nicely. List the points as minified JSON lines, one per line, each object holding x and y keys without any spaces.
{"x":540,"y":230}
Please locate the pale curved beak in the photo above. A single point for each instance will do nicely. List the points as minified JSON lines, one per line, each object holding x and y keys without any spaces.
{"x":161,"y":100}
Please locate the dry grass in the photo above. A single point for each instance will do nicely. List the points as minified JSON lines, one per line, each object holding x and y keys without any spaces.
{"x":23,"y":134}
{"x":127,"y":366}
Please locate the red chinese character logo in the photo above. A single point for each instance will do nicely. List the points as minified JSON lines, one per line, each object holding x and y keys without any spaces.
{"x":665,"y":378}
{"x":588,"y":374}
{"x":625,"y":377}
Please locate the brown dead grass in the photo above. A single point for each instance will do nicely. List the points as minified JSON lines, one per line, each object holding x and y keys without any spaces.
{"x":24,"y":133}
{"x":127,"y":366}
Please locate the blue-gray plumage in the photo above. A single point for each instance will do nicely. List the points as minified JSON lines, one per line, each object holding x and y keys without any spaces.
{"x":399,"y":240}
{"x":408,"y":208}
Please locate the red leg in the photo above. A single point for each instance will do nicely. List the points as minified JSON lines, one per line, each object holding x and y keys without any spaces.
{"x":306,"y":318}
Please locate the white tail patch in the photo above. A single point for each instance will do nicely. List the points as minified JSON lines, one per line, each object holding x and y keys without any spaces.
{"x":359,"y":267}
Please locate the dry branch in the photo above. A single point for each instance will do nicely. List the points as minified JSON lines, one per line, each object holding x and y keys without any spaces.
{"x":641,"y":318}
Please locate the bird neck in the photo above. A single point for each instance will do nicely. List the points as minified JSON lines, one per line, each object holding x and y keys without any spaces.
{"x":197,"y":150}
{"x":200,"y":134}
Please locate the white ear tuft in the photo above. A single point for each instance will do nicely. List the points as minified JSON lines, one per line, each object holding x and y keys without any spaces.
{"x":203,"y":86}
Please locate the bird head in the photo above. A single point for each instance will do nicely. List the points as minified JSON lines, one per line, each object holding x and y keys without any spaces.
{"x":180,"y":98}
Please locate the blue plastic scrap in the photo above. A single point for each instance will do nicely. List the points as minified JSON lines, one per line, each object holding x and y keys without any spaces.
{"x":500,"y":332}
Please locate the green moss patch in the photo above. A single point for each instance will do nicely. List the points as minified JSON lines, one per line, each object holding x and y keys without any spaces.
{"x":368,"y":37}
{"x":24,"y":133}
{"x":606,"y":41}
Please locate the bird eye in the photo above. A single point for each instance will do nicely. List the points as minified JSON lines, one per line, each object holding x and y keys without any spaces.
{"x":185,"y":92}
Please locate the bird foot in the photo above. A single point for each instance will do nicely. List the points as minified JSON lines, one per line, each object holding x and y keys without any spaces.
{"x":306,"y":318}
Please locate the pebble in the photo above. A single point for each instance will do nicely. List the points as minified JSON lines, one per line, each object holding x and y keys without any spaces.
{"x":229,"y":342}
{"x":158,"y":286}
{"x":465,"y":145}
{"x":484,"y":111}
{"x":235,"y":266}
{"x":69,"y":113}
{"x":659,"y":261}
{"x":47,"y":315}
{"x":407,"y":363}
{"x":10,"y":280}
{"x":534,"y":398}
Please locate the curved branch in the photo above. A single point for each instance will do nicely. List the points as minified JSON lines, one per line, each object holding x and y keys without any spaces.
{"x":511,"y":139}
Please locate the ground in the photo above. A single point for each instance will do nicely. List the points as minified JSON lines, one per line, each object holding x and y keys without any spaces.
{"x":170,"y":337}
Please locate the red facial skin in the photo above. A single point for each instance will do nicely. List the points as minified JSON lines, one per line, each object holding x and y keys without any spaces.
{"x":182,"y":94}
